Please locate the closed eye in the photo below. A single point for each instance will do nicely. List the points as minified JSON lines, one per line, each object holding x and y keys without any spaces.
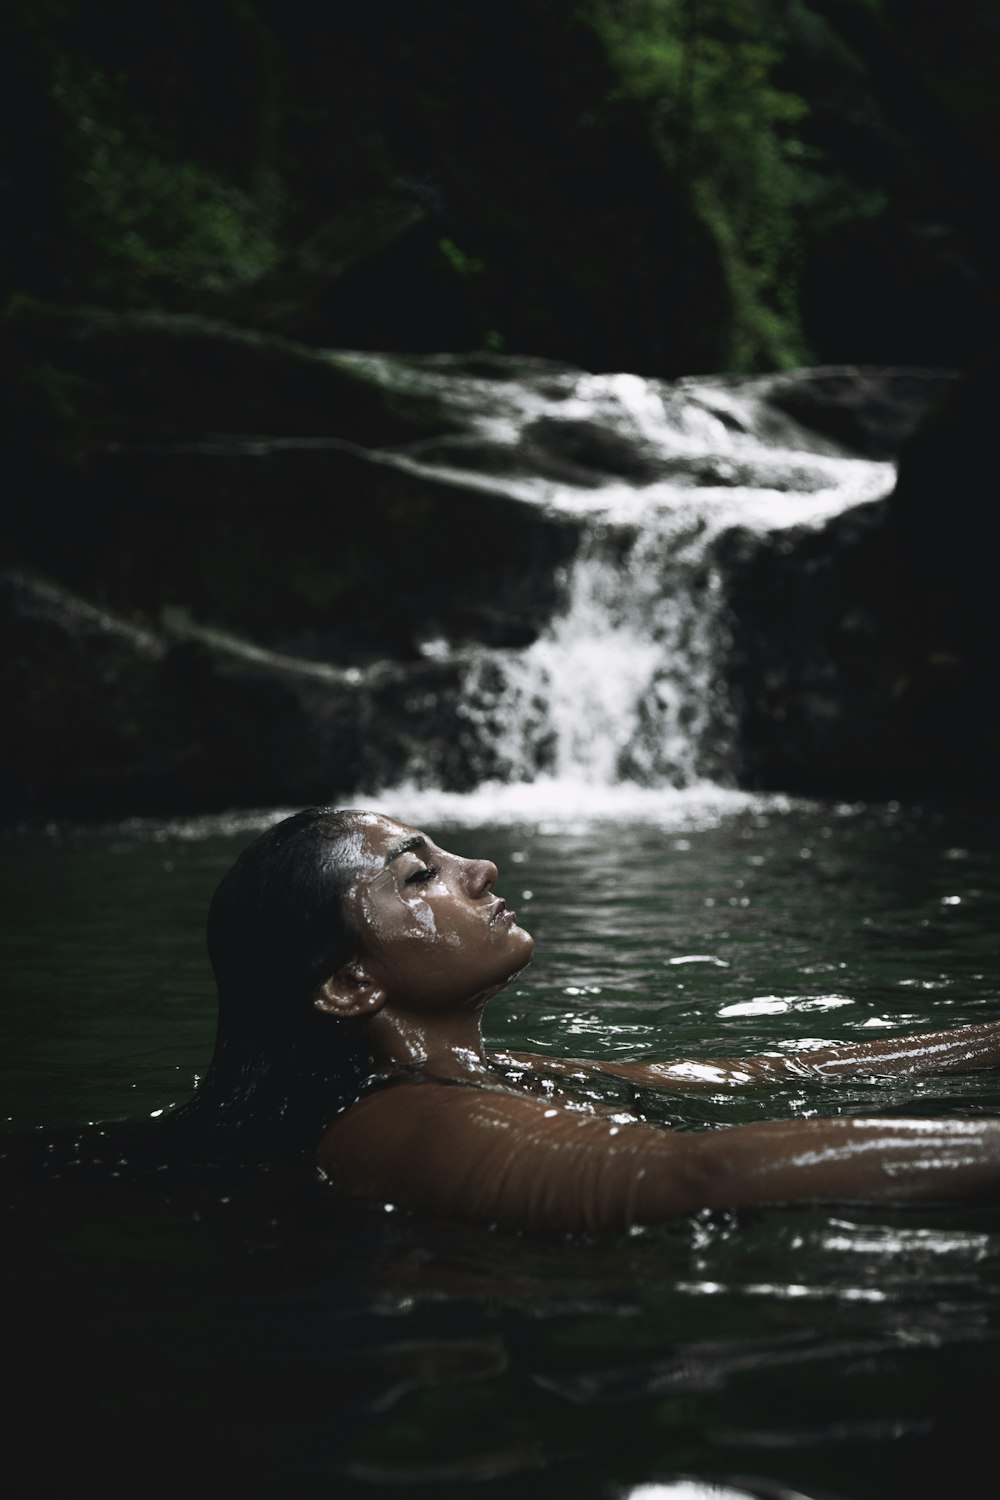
{"x":421,"y":877}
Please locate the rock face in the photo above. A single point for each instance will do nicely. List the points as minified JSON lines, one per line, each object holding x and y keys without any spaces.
{"x":315,"y":548}
{"x":941,"y":532}
{"x":814,"y":666}
{"x":245,"y":573}
{"x":85,"y":711}
{"x":870,"y":411}
{"x":97,"y":378}
{"x":213,"y":619}
{"x":106,"y":719}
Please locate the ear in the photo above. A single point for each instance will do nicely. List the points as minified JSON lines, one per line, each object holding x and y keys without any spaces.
{"x":349,"y":993}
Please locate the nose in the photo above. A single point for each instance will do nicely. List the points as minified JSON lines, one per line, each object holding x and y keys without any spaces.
{"x":481,"y":876}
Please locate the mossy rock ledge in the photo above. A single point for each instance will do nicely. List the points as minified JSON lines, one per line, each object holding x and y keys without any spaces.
{"x":230,"y":579}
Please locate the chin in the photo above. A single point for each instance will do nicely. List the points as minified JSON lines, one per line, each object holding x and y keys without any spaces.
{"x":528,"y":953}
{"x":527,"y":941}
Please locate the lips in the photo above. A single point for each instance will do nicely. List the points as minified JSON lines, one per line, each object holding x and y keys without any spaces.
{"x":502,"y":912}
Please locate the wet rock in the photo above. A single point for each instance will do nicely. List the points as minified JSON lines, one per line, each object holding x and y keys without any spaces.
{"x":264,"y":488}
{"x":94,"y":377}
{"x":84,"y":720}
{"x":226,"y":619}
{"x":105,"y":718}
{"x":867,"y":410}
{"x":870,"y":410}
{"x":320,"y":548}
{"x":813,"y":664}
{"x":942,"y":528}
{"x":582,"y":452}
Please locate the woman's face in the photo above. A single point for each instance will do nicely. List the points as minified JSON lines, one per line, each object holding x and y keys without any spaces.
{"x":432,"y":931}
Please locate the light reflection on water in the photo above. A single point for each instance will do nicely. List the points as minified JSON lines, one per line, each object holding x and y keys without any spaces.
{"x":838,"y":1352}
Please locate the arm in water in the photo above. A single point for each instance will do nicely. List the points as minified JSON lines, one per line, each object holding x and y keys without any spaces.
{"x":524,"y":1163}
{"x":964,"y":1049}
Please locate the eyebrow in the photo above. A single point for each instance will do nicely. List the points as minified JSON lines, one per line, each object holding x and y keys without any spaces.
{"x":415,"y":841}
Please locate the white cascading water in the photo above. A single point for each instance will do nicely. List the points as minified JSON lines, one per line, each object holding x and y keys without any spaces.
{"x":619,"y":704}
{"x":618,"y":689}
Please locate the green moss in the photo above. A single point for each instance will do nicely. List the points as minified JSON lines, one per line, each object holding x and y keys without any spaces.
{"x":143,"y":218}
{"x":706,"y":76}
{"x":465,"y":265}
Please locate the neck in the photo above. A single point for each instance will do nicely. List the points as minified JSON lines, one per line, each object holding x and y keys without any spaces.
{"x":449,"y":1047}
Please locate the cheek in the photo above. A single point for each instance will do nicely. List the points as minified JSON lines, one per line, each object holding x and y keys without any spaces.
{"x":390,"y":918}
{"x":421,"y":927}
{"x":423,"y":918}
{"x":409,"y":931}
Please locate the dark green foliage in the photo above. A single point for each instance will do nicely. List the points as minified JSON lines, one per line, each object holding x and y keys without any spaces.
{"x":138,"y":145}
{"x":704,"y":72}
{"x":660,"y":185}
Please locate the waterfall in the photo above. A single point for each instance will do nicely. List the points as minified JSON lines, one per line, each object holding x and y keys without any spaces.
{"x":620,"y":687}
{"x":292,"y":575}
{"x":624,"y":694}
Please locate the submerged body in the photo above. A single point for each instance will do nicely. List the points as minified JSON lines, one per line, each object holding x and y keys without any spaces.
{"x":490,"y":1153}
{"x":428,"y":1119}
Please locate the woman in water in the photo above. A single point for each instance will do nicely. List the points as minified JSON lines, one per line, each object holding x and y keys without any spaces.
{"x":354,"y":958}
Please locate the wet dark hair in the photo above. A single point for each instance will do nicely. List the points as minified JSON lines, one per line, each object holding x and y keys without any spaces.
{"x":277,"y":929}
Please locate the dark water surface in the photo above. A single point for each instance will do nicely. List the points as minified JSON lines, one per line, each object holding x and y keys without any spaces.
{"x":176,"y":1325}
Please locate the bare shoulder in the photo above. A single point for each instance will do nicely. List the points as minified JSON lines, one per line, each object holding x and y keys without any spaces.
{"x":488,"y":1155}
{"x":424,"y":1116}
